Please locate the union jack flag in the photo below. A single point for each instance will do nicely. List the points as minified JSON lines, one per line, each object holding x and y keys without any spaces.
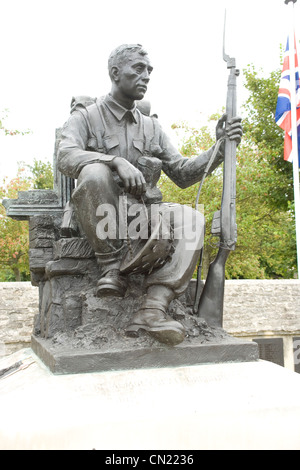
{"x":283,"y":115}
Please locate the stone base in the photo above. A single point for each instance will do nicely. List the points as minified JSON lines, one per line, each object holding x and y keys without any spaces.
{"x":231,"y":406}
{"x":64,"y":360}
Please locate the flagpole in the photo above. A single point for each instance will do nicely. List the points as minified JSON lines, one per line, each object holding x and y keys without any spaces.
{"x":291,"y":3}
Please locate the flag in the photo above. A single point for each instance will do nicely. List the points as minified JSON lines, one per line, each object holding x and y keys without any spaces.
{"x":283,"y":115}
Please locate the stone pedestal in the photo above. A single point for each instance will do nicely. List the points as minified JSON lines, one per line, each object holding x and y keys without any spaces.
{"x":253,"y":405}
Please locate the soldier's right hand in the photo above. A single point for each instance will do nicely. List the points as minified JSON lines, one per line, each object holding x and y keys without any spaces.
{"x":132,"y":178}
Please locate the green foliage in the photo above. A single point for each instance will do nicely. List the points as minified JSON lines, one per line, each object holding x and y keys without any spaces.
{"x":14,"y":235}
{"x":14,"y":262}
{"x":260,"y":124}
{"x":42,"y":174}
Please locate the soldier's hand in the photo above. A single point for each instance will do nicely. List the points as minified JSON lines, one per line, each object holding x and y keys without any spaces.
{"x":232,"y":129}
{"x":132,"y":178}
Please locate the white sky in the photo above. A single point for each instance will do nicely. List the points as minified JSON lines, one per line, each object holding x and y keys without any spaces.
{"x":53,"y":50}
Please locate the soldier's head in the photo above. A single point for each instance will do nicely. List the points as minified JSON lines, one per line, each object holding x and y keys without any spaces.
{"x":129,"y":70}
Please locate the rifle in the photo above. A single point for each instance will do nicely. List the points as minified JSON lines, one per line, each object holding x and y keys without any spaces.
{"x":211,"y":302}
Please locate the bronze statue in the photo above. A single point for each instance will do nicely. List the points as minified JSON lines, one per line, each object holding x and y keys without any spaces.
{"x":116,"y":151}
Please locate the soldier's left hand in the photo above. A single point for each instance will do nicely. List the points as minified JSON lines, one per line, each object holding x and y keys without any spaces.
{"x":232,"y":128}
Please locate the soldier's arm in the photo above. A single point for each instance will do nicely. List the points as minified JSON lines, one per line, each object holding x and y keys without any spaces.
{"x":186,"y":171}
{"x":73,"y":150}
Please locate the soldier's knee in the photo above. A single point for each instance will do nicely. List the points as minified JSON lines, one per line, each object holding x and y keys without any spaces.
{"x":95,"y":173}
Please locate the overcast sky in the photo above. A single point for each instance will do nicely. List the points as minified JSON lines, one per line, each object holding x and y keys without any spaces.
{"x":51,"y":51}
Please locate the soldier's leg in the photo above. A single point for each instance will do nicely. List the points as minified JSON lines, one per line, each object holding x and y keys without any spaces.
{"x":172,"y":279}
{"x":96,"y":187}
{"x":96,"y":202}
{"x":189,"y":227}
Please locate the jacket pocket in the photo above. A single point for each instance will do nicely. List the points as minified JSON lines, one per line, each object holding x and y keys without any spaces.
{"x":139,"y":145}
{"x":110,"y":142}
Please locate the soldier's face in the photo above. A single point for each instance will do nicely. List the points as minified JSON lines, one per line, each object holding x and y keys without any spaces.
{"x":134,"y":76}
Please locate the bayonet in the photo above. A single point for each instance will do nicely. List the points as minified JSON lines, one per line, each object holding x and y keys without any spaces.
{"x":230,"y":60}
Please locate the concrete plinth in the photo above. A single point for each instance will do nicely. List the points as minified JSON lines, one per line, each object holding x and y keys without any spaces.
{"x":250,"y":405}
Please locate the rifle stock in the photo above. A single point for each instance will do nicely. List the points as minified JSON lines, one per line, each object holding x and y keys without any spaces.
{"x":212,"y":297}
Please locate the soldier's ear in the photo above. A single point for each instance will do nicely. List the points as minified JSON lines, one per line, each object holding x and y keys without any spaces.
{"x":115,"y":73}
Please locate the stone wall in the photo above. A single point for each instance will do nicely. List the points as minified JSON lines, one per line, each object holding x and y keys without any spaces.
{"x":267,"y":311}
{"x":253,"y":309}
{"x":19,"y":304}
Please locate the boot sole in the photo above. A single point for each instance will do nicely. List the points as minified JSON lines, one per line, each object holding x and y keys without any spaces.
{"x":107,"y":290}
{"x":167,"y":336}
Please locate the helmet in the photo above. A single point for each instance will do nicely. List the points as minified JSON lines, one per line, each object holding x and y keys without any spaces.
{"x":152,"y":254}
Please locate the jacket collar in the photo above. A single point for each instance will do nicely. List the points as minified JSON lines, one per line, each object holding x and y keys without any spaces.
{"x":119,"y":111}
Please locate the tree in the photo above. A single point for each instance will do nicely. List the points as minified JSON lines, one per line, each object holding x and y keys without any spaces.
{"x":14,"y":263}
{"x":14,"y":243}
{"x":267,"y":135}
{"x":41,"y":174}
{"x":14,"y":236}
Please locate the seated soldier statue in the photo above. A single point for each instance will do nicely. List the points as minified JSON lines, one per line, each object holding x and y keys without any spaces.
{"x":116,"y":152}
